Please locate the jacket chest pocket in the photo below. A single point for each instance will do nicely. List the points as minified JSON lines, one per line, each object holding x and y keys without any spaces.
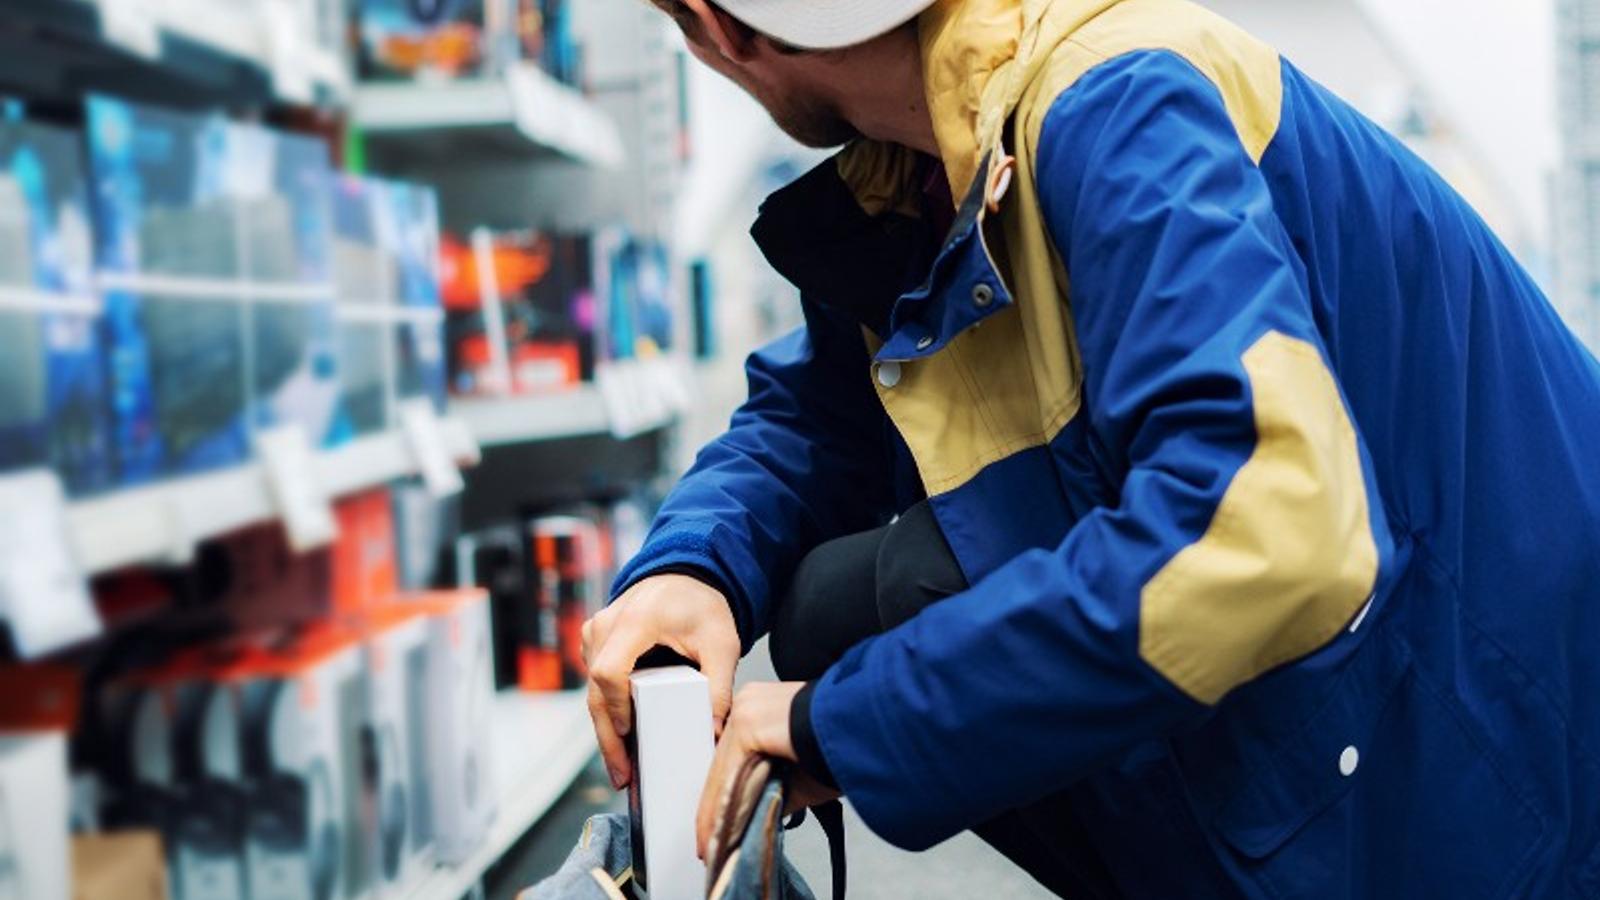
{"x":978,"y":400}
{"x":1388,"y":791}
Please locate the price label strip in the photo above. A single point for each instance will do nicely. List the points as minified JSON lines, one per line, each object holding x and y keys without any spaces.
{"x":132,"y":25}
{"x":616,"y":392}
{"x":426,"y":435}
{"x":44,"y":594}
{"x":290,"y":466}
{"x":289,"y":41}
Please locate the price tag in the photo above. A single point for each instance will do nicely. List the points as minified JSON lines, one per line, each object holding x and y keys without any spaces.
{"x":44,"y":594}
{"x":617,"y":393}
{"x":302,"y":501}
{"x":462,"y":442}
{"x":434,"y":460}
{"x":289,"y":50}
{"x":132,"y":25}
{"x":531,"y":105}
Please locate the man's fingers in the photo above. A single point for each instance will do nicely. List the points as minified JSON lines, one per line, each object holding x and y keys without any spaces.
{"x":612,"y":666}
{"x":612,"y":749}
{"x":595,"y":632}
{"x":719,"y":676}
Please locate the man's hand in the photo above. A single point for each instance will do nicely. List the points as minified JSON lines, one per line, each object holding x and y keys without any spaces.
{"x":684,"y":615}
{"x":759,"y":725}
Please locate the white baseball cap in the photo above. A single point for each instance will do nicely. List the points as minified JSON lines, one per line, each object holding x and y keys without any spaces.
{"x":824,"y":24}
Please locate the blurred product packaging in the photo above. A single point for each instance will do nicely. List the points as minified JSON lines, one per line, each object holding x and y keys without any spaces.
{"x":212,"y":240}
{"x":53,"y":401}
{"x":463,"y":38}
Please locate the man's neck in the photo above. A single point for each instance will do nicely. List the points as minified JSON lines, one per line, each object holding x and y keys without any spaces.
{"x":880,"y":91}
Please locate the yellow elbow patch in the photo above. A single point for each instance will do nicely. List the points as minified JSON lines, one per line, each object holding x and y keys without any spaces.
{"x":1289,"y":558}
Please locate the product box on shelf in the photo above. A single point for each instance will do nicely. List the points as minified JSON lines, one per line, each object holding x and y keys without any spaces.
{"x":53,"y":396}
{"x":151,"y":743}
{"x":124,"y":865}
{"x":261,"y":582}
{"x":425,"y":528}
{"x":34,"y":791}
{"x":547,"y":312}
{"x":459,"y":715}
{"x":391,"y":322}
{"x":213,"y":240}
{"x":406,"y":39}
{"x":207,"y":767}
{"x":302,"y":705}
{"x":170,"y":254}
{"x":397,"y":806}
{"x":420,"y":364}
{"x":496,"y":559}
{"x":365,"y":572}
{"x":634,"y":284}
{"x":40,"y":697}
{"x":366,"y":281}
{"x":570,"y":579}
{"x":287,"y":224}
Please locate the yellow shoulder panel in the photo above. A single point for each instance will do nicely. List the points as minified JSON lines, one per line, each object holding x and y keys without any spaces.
{"x":1246,"y":71}
{"x":1289,"y":559}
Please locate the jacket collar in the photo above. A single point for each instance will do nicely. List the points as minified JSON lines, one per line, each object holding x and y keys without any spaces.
{"x":847,"y":233}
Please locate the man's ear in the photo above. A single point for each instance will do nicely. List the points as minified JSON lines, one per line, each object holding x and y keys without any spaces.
{"x":735,"y":40}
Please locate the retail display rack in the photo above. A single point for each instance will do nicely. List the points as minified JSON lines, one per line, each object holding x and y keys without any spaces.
{"x":164,"y":521}
{"x":568,"y":149}
{"x":522,"y":113}
{"x":280,"y":51}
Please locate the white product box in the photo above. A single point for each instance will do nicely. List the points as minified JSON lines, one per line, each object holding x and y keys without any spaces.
{"x":396,"y":739}
{"x":34,"y":862}
{"x":163,"y":758}
{"x":672,"y":737}
{"x":302,"y":710}
{"x":460,"y":705}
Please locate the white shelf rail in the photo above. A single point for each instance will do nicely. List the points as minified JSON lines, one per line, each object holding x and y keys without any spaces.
{"x":628,"y":399}
{"x":523,"y":108}
{"x":163,"y":522}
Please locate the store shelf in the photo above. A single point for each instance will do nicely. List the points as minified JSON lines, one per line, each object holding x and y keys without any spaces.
{"x":163,"y":522}
{"x":185,"y":52}
{"x":524,"y":114}
{"x":541,"y":743}
{"x":262,"y":35}
{"x":629,"y":400}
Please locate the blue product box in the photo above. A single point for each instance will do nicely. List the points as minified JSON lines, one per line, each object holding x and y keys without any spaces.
{"x":288,"y":261}
{"x":421,"y":367}
{"x":52,"y":365}
{"x":169,"y":249}
{"x":365,"y":278}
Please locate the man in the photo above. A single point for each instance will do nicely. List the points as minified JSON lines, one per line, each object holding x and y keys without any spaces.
{"x":1248,"y":517}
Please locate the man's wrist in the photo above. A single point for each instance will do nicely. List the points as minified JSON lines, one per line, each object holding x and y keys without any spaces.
{"x":807,"y":749}
{"x":688,"y":570}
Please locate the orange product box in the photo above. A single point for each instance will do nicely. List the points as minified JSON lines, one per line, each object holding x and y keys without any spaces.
{"x":40,"y":697}
{"x":365,"y":572}
{"x":263,"y":583}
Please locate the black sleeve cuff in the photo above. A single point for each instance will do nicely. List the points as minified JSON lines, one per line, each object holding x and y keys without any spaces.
{"x":804,"y":739}
{"x":703,"y":576}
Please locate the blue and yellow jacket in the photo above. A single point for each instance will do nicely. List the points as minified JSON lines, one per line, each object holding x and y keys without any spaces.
{"x":1276,"y":478}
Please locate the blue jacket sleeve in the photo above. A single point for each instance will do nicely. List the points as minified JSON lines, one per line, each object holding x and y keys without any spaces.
{"x":1241,"y":539}
{"x":802,"y":462}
